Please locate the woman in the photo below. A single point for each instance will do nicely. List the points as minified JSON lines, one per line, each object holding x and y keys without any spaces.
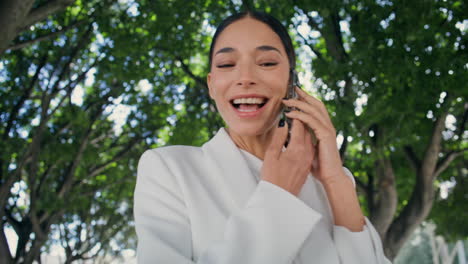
{"x":243,"y":197}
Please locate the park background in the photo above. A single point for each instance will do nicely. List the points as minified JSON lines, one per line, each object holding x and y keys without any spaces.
{"x":87,"y":86}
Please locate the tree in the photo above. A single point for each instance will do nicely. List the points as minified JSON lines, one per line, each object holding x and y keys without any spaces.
{"x":17,"y":16}
{"x":57,"y":152}
{"x":393,"y":80}
{"x":96,"y":225}
{"x":448,"y":213}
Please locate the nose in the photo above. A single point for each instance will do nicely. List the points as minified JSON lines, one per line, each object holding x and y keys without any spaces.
{"x":246,"y":75}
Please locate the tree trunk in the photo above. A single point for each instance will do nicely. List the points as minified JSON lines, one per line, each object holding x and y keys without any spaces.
{"x":16,"y":16}
{"x":35,"y":251}
{"x":422,"y":197}
{"x":387,"y":199}
{"x":12,"y":15}
{"x":5,"y":255}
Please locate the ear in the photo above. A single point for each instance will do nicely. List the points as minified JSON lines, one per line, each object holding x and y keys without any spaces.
{"x":210,"y":87}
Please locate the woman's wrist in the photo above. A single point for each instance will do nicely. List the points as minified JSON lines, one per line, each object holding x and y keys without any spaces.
{"x":344,"y":202}
{"x":333,"y":179}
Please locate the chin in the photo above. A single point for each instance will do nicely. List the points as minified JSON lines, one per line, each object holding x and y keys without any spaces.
{"x":250,"y":129}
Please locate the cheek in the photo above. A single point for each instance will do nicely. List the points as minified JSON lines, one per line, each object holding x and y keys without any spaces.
{"x":219,"y":86}
{"x":280,"y":83}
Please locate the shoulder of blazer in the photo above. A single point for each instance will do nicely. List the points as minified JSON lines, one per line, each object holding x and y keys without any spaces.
{"x":177,"y":150}
{"x":182,"y":161}
{"x":171,"y":165}
{"x":181,"y":155}
{"x":178,"y":154}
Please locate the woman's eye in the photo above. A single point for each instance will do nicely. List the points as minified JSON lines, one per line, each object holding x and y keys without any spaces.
{"x":225,"y":65}
{"x":268,"y":64}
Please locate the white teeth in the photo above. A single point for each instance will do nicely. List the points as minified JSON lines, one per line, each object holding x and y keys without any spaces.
{"x":247,"y":110}
{"x":254,"y":100}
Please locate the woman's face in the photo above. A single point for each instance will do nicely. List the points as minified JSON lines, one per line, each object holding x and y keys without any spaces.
{"x":249,"y":76}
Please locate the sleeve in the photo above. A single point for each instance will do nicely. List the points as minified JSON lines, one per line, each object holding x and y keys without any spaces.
{"x":271,"y":228}
{"x":162,"y":226}
{"x":359,"y":247}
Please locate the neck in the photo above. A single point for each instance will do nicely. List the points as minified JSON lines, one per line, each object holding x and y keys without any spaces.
{"x":256,"y":145}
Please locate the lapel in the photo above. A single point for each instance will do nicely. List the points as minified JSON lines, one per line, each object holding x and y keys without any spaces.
{"x":229,"y":169}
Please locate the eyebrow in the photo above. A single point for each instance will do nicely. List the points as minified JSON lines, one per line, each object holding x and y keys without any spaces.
{"x":268,"y":48}
{"x":225,"y":50}
{"x":262,"y":48}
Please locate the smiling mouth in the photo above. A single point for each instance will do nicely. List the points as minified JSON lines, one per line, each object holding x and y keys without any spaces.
{"x":249,"y":104}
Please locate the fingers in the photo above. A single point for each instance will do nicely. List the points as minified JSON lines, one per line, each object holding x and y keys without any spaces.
{"x":300,"y":146}
{"x":308,"y":142}
{"x":304,"y":96}
{"x":316,"y":109}
{"x":277,"y":142}
{"x":297,"y":133}
{"x":308,"y":108}
{"x":321,"y":130}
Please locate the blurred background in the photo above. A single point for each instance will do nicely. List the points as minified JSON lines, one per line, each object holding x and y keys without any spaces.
{"x":87,"y":86}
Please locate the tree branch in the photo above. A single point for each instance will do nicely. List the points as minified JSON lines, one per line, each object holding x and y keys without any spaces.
{"x":344,"y":145}
{"x":11,"y":220}
{"x":412,"y":158}
{"x":71,"y":86}
{"x":431,"y":155}
{"x":232,"y":6}
{"x":4,"y":248}
{"x":331,"y":32}
{"x":187,"y":70}
{"x":387,"y":202}
{"x":84,"y":39}
{"x":333,"y":37}
{"x":315,"y":51}
{"x":42,"y":12}
{"x":43,"y":37}
{"x":98,"y":139}
{"x":12,"y":15}
{"x":43,"y":178}
{"x":79,"y":155}
{"x":370,"y":192}
{"x":36,"y":226}
{"x":422,"y":197}
{"x":248,"y":5}
{"x":312,"y":23}
{"x":26,"y":94}
{"x":13,"y":176}
{"x":360,"y":185}
{"x":65,"y":241}
{"x":98,"y":169}
{"x":444,"y":163}
{"x":462,"y":123}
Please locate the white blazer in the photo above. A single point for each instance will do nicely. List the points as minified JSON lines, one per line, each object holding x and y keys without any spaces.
{"x":207,"y":205}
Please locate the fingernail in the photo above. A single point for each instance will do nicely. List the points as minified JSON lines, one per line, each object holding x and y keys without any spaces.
{"x":281,"y":123}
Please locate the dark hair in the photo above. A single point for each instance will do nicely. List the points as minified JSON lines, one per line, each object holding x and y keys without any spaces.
{"x":270,"y":21}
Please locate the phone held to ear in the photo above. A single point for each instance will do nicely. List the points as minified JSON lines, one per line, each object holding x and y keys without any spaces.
{"x":291,"y":94}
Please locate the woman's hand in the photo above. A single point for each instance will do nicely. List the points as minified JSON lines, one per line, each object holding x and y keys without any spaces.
{"x":327,"y":166}
{"x":289,"y":169}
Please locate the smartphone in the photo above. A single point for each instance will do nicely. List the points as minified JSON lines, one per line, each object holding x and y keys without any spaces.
{"x":290,"y":94}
